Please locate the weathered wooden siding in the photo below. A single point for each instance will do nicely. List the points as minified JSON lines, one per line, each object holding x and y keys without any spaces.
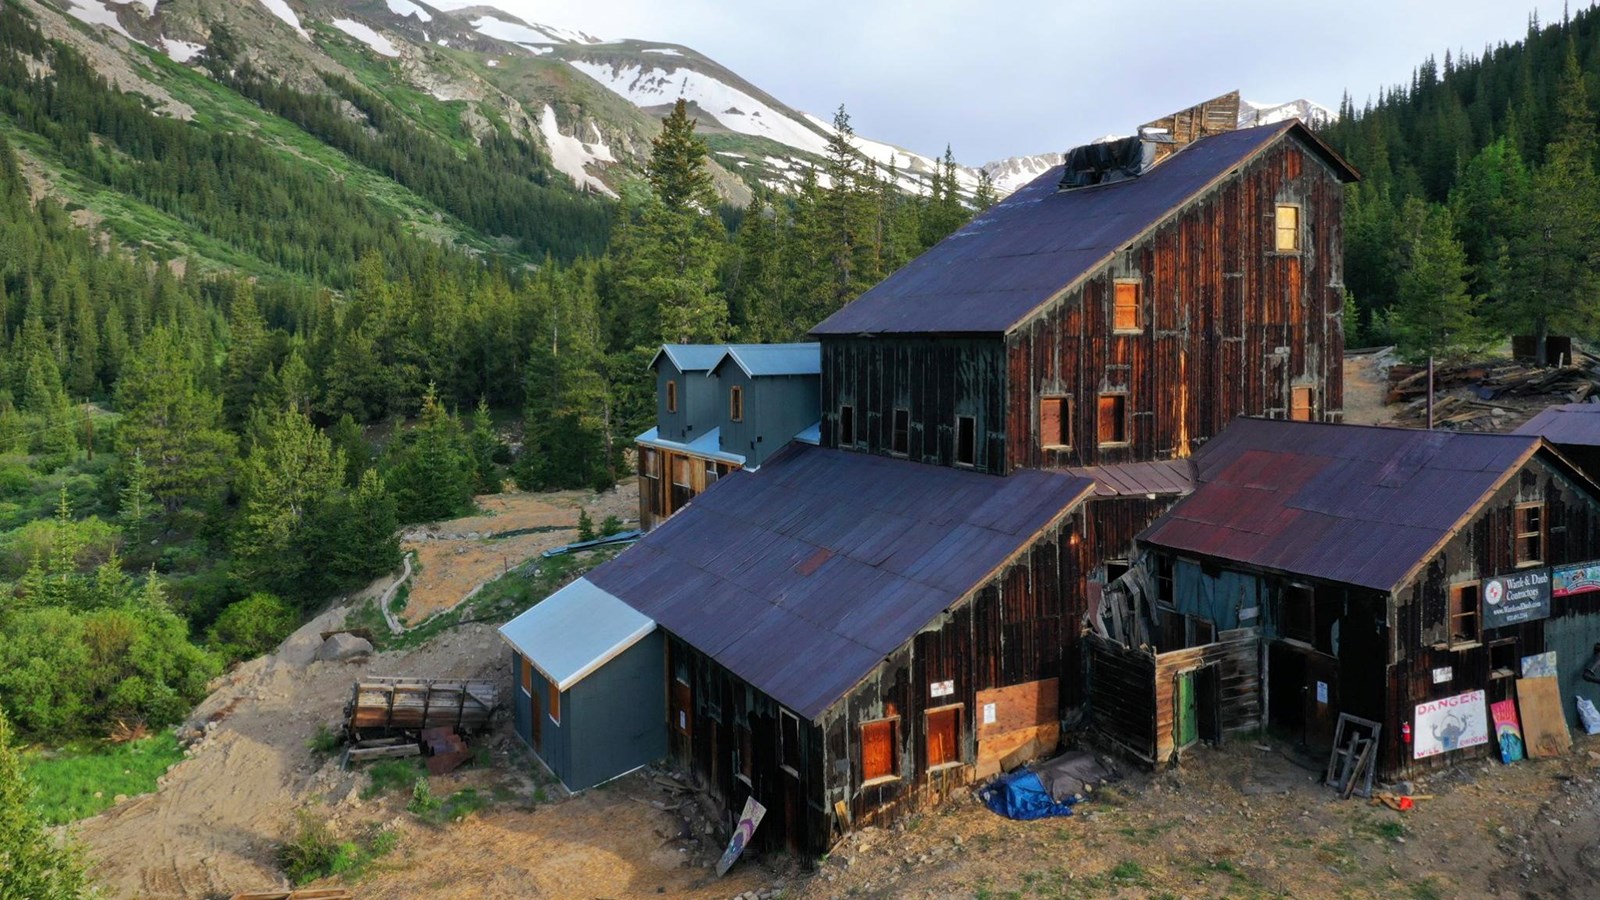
{"x":1483,"y":549}
{"x":659,"y":496}
{"x":1013,"y":631}
{"x":1122,"y":696}
{"x":935,"y":379}
{"x":1236,"y":656}
{"x":1229,"y":324}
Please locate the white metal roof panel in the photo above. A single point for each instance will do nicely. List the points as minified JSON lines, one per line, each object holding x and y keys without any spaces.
{"x":575,"y":631}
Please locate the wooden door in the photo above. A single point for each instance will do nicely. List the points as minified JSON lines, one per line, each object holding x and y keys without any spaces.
{"x":682,"y":713}
{"x":535,"y":719}
{"x":1322,"y":701}
{"x":1188,"y":722}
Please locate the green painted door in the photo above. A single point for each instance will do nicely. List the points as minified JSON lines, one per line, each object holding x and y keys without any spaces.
{"x":1188,"y":722}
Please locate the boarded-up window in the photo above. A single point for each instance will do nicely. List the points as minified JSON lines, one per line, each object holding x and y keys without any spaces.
{"x":553,"y":701}
{"x":736,"y":403}
{"x":966,"y":441}
{"x":1300,"y":404}
{"x":847,"y":426}
{"x":1530,"y":533}
{"x":901,"y":439}
{"x":680,"y":472}
{"x":789,"y":741}
{"x":944,"y":731}
{"x":652,"y":464}
{"x":1113,"y":418}
{"x":1055,"y":422}
{"x":877,"y":750}
{"x":1126,"y":313}
{"x":672,"y":396}
{"x":1463,"y":612}
{"x":1288,"y":228}
{"x":527,"y":676}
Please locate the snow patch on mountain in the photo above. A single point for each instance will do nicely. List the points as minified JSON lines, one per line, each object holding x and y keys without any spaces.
{"x":1008,"y":175}
{"x":403,"y":8}
{"x":522,"y":34}
{"x":94,"y":12}
{"x":572,"y":155}
{"x":664,"y":51}
{"x":182,"y":51}
{"x":734,"y":109}
{"x":1310,"y":112}
{"x":366,"y":35}
{"x":280,"y":8}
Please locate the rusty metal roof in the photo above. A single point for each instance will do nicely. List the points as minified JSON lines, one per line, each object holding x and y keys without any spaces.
{"x":1571,"y":423}
{"x":1353,"y":504}
{"x":1139,"y":479}
{"x":802,"y":577}
{"x":1008,"y":262}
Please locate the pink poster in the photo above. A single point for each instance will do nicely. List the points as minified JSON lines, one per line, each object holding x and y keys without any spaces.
{"x":1507,"y":730}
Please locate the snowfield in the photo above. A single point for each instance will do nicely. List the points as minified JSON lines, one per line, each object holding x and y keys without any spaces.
{"x":523,"y":35}
{"x":572,"y":155}
{"x":182,"y":51}
{"x":94,"y":12}
{"x":734,"y":109}
{"x":407,"y":8}
{"x":366,"y":35}
{"x":280,"y":8}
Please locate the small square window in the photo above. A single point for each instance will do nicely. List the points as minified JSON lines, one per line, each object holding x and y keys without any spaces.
{"x":711,"y":474}
{"x":672,"y":396}
{"x":1126,"y":312}
{"x":789,"y":741}
{"x":944,"y":735}
{"x":901,"y":442}
{"x":1299,"y":618}
{"x":1055,"y":423}
{"x":1300,"y":404}
{"x":847,"y":426}
{"x":1530,"y":534}
{"x":966,"y":441}
{"x":736,"y":403}
{"x":1113,"y":418}
{"x":1503,"y":659}
{"x":680,"y":471}
{"x":652,"y":464}
{"x":553,"y":701}
{"x":1464,"y":612}
{"x":1288,"y":228}
{"x":878,"y":747}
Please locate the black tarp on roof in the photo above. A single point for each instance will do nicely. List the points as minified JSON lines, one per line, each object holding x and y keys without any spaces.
{"x":1354,"y":504}
{"x":802,"y":577}
{"x":991,"y":274}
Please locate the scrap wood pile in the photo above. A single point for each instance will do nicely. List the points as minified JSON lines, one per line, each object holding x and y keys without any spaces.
{"x":1482,"y":396}
{"x":388,"y":705}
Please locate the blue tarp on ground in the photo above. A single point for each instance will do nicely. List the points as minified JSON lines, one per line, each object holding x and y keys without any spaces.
{"x":1021,"y":795}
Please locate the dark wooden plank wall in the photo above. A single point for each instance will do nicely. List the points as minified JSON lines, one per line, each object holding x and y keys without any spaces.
{"x":1481,"y":550}
{"x":1218,"y":304}
{"x":725,"y":706}
{"x":1122,"y":696}
{"x":1015,"y":629}
{"x":936,"y":379}
{"x":660,"y":498}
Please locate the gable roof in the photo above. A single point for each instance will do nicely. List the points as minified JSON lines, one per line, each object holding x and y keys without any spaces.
{"x":690,"y":357}
{"x":1577,"y":424}
{"x":1009,"y":261}
{"x":804,"y":576}
{"x":1353,"y":504}
{"x":575,"y":631}
{"x":759,"y":360}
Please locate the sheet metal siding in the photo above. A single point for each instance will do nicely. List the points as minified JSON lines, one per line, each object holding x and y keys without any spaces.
{"x":724,"y":707}
{"x":614,"y":716}
{"x":1229,"y":325}
{"x":521,"y":704}
{"x":697,"y":412}
{"x":1483,"y":549}
{"x":776,"y":408}
{"x":1019,"y":627}
{"x":935,"y":379}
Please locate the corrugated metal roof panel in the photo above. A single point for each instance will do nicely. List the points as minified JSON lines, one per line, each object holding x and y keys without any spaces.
{"x":575,"y":631}
{"x":1161,"y":477}
{"x":1347,"y":503}
{"x":1007,"y":262}
{"x":803,"y":576}
{"x":690,"y":357}
{"x":759,"y":360}
{"x":1571,"y":423}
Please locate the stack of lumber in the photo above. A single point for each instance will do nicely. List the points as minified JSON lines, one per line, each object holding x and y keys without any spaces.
{"x":1489,"y":396}
{"x":415,"y":704}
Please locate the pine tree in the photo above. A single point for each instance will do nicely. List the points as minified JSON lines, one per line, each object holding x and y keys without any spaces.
{"x":292,"y":471}
{"x":33,"y":864}
{"x":482,"y":445}
{"x":431,"y":475}
{"x":1435,"y":313}
{"x":173,"y":423}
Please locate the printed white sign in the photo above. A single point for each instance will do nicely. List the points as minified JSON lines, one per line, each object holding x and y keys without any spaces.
{"x":988,"y":714}
{"x":1246,"y":615}
{"x":1450,"y":724}
{"x":1322,"y":692}
{"x":942,"y":688}
{"x":1443,"y":674}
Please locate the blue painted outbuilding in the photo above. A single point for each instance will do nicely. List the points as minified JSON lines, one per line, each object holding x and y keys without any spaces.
{"x":591,"y":696}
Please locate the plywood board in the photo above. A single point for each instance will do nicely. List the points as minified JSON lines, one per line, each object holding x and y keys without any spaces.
{"x":1544,"y":725}
{"x":1023,"y":714}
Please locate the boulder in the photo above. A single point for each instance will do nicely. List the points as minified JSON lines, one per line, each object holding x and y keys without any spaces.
{"x":343,"y":647}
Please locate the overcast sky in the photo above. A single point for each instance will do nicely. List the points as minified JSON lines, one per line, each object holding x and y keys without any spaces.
{"x":1004,"y":77}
